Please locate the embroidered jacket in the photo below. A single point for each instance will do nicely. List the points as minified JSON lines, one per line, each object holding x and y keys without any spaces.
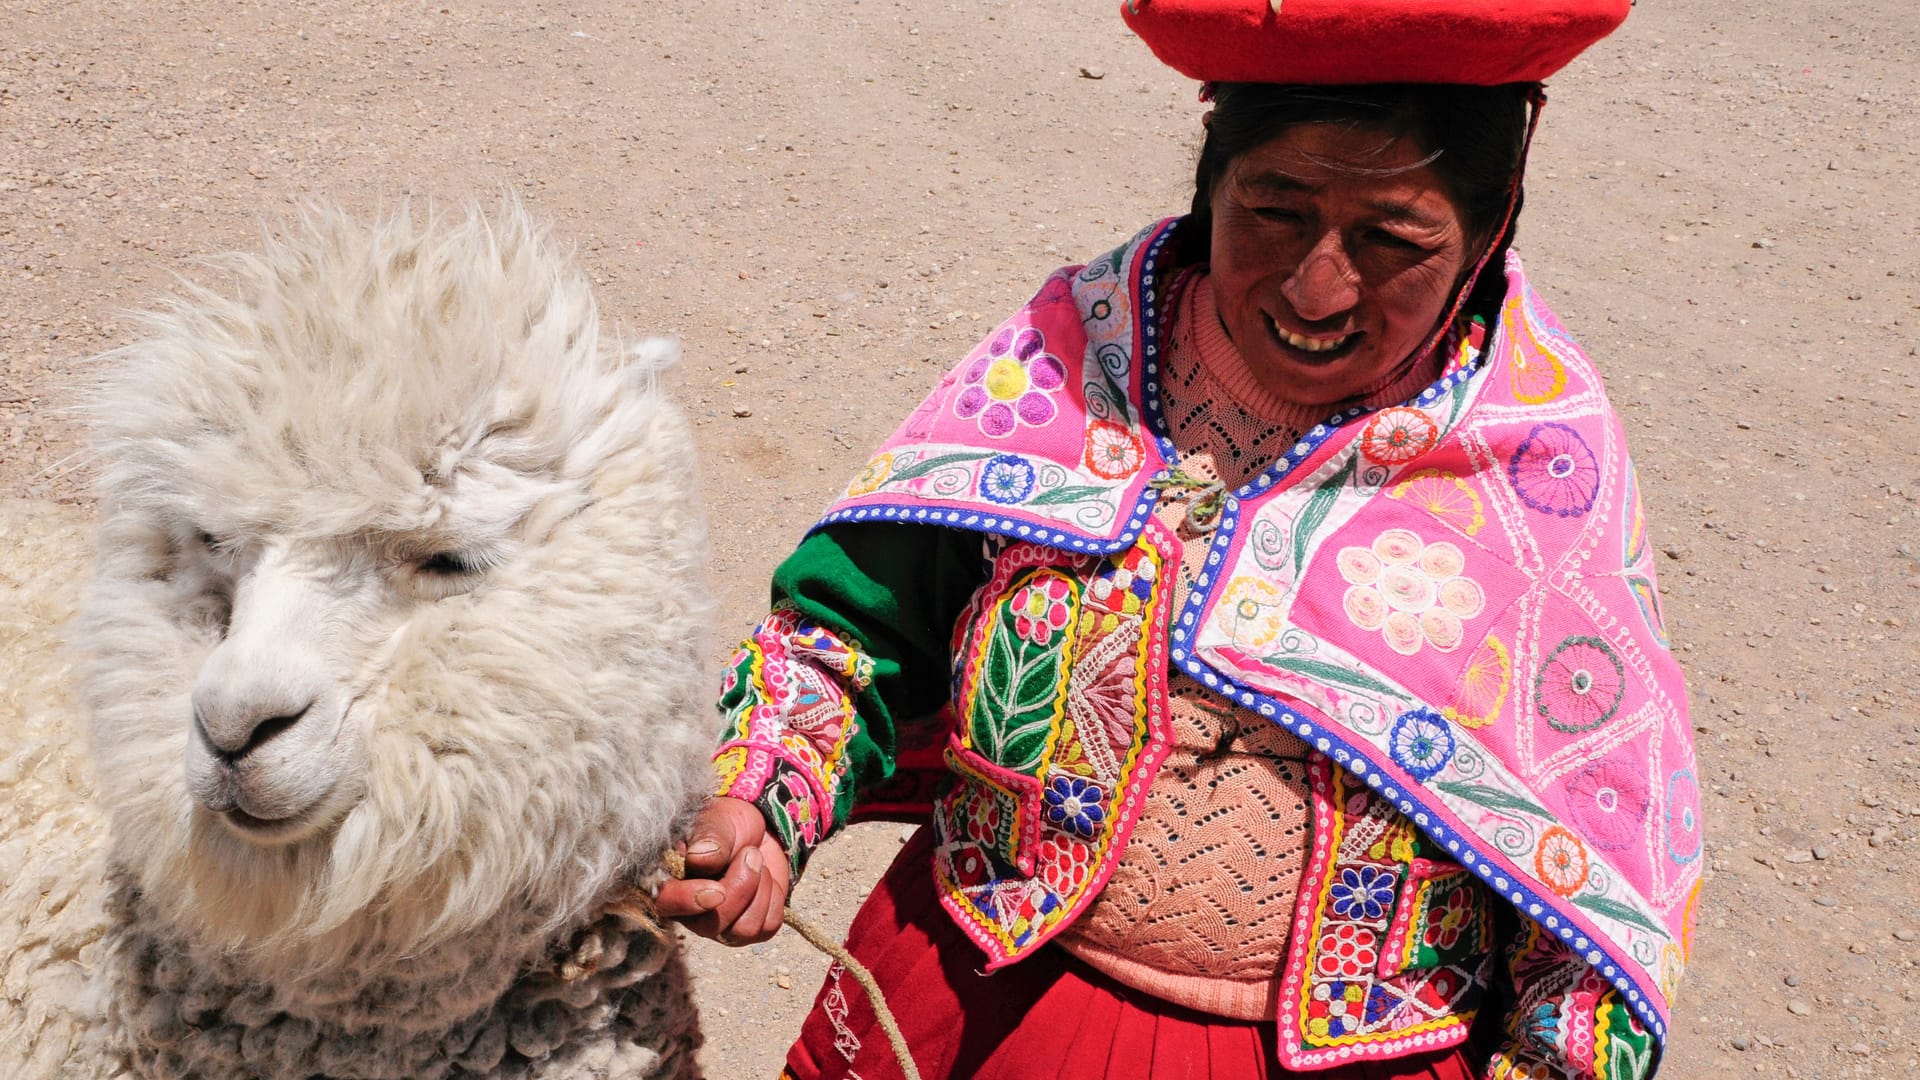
{"x":1452,"y":601}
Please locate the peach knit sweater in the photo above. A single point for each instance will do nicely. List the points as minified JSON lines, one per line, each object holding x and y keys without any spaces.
{"x":1199,"y":908}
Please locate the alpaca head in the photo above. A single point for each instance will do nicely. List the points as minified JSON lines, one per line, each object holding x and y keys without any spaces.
{"x":395,"y":627}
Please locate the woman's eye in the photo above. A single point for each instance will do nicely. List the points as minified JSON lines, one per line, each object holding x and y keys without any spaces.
{"x":1276,"y":213}
{"x":1394,"y":240}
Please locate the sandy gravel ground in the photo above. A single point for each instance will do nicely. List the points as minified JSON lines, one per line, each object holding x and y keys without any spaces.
{"x":829,"y":202}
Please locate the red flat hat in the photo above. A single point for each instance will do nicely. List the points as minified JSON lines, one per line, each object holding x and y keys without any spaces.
{"x":1348,"y":42}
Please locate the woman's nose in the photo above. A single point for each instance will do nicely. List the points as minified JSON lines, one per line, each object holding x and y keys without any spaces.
{"x":1324,"y":284}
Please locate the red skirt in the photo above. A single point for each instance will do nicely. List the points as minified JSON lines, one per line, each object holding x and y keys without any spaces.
{"x":1047,"y":1016}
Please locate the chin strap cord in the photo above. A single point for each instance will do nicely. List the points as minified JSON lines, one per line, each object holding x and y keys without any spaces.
{"x":676,"y":865}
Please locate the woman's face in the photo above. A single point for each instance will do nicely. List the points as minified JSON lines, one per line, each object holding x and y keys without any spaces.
{"x":1327,"y":282}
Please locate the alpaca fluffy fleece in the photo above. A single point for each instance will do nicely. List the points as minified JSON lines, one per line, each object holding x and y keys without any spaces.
{"x":52,"y":926}
{"x":517,"y":739}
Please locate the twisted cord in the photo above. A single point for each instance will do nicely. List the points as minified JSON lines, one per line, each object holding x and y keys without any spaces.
{"x":820,"y":939}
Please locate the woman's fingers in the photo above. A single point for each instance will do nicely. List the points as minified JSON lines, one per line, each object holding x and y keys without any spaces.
{"x":737,"y":876}
{"x":689,"y":900}
{"x":745,"y":905}
{"x":762,"y":918}
{"x":742,"y":883}
{"x":722,"y":831}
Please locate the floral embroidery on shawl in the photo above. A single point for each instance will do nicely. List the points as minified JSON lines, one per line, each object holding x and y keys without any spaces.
{"x":1036,"y":435}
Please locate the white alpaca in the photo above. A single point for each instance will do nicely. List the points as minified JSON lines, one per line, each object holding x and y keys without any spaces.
{"x":391,"y":663}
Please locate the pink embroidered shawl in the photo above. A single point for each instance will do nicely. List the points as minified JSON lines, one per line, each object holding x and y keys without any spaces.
{"x":1454,"y":598}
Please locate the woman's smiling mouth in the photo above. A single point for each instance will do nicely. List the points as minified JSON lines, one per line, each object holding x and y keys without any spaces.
{"x":1306,"y":343}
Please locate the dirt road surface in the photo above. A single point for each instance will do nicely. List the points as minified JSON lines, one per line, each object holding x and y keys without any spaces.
{"x":830,"y":202}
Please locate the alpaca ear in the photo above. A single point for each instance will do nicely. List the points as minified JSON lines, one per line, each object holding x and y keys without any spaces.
{"x":653,"y":354}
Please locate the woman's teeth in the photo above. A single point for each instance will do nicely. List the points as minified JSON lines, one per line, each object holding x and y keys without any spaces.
{"x":1300,"y":341}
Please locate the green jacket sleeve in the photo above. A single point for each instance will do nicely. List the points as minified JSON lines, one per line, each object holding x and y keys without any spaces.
{"x":856,"y":644}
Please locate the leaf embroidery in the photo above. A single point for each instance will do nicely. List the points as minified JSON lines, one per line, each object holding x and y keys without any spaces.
{"x":1066,"y":495}
{"x":1314,"y":514}
{"x":922,"y":468}
{"x":1328,"y":672}
{"x":1018,"y":700}
{"x":1614,"y":909}
{"x":1459,"y":396}
{"x":1489,"y":796}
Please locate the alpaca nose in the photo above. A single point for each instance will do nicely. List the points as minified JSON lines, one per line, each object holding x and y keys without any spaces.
{"x":232,"y":729}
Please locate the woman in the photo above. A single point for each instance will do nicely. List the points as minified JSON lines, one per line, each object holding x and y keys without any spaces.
{"x":1262,"y":617}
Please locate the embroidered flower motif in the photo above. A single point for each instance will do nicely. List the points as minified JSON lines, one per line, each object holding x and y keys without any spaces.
{"x":1398,"y":435}
{"x":1335,"y":1009}
{"x":1074,"y":805}
{"x":1065,"y":864}
{"x":1483,"y":685}
{"x":1363,"y":893}
{"x":1579,"y":685}
{"x":1445,"y":496}
{"x":1397,"y":547}
{"x":1011,"y":384}
{"x":1561,"y":861}
{"x":1007,"y":479}
{"x":982,"y":815}
{"x":1365,"y":607}
{"x":1414,"y":593}
{"x":1042,"y":609}
{"x":1250,"y":612}
{"x":1127,"y":586}
{"x":1348,"y":952}
{"x":1553,"y":471}
{"x":1609,"y":801}
{"x":1449,"y":919}
{"x":1358,"y":565}
{"x":1683,"y":817}
{"x":872,"y":476}
{"x":971,"y":868}
{"x":1421,"y":743}
{"x":1112,"y":451}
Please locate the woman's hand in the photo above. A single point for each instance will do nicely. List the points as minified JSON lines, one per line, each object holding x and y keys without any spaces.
{"x":735,"y":891}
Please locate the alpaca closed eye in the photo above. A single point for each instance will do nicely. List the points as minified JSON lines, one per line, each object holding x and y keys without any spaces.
{"x":445,"y":574}
{"x":447,"y":564}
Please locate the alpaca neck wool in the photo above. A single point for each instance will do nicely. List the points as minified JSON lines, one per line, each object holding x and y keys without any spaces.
{"x":182,"y":1012}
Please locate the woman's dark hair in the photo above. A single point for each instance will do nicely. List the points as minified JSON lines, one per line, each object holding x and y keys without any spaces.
{"x":1472,"y":137}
